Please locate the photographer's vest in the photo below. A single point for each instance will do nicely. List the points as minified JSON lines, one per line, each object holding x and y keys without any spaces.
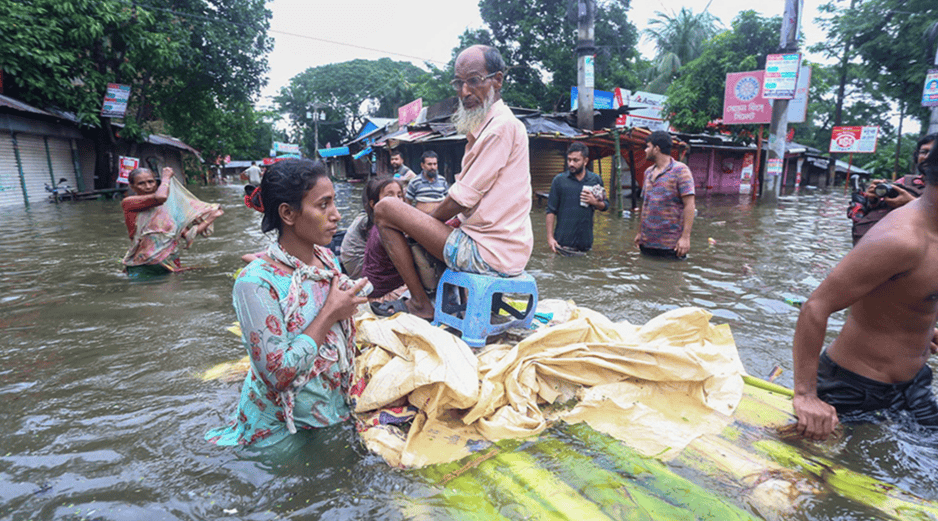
{"x":914,"y":184}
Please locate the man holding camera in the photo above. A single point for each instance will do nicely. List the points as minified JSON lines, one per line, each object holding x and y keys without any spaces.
{"x":878,"y":361}
{"x":881,"y":196}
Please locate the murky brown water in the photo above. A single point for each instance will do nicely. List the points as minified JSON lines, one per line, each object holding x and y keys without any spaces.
{"x":103,"y":416}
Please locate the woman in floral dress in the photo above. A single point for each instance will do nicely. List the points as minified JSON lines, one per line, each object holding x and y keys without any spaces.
{"x":295,"y":308}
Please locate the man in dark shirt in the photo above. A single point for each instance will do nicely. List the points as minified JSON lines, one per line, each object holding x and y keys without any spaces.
{"x":907,"y":188}
{"x":572,"y":202}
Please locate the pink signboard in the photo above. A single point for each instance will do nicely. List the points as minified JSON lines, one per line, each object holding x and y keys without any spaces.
{"x":742,"y":99}
{"x":410,"y":112}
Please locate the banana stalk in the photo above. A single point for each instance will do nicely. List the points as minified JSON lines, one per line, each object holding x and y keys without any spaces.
{"x":770,"y":410}
{"x":652,"y":490}
{"x":858,"y":487}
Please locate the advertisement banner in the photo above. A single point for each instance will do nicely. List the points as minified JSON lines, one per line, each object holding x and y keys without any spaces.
{"x":781,"y":76}
{"x":115,"y":100}
{"x":774,"y":166}
{"x":745,"y":175}
{"x":930,"y":94}
{"x":601,"y":99}
{"x":742,"y":99}
{"x":286,"y":148}
{"x":848,"y":140}
{"x":410,"y":112}
{"x":125,"y":165}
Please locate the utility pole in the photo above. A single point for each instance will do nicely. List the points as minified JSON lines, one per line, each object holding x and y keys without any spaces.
{"x":585,"y":51}
{"x":316,"y":115}
{"x":778,"y":129}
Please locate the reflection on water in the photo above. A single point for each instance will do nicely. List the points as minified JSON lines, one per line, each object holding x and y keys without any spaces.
{"x":103,"y":416}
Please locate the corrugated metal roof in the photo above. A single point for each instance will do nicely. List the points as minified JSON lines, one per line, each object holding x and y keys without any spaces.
{"x":18,"y":105}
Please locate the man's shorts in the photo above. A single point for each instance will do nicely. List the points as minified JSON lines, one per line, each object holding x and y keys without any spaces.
{"x":849,"y":392}
{"x":661,"y":252}
{"x":461,"y":253}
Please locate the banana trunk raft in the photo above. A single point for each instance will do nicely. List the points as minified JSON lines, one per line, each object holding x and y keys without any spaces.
{"x":589,"y":419}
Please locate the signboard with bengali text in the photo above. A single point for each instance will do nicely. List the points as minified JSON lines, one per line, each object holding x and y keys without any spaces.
{"x":743,"y":103}
{"x":286,"y":148}
{"x":849,"y":140}
{"x":115,"y":100}
{"x":781,"y":76}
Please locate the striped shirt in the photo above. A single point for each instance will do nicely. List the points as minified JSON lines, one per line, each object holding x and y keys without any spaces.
{"x":423,"y":190}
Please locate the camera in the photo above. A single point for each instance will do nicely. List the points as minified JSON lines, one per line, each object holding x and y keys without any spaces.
{"x":885,"y":189}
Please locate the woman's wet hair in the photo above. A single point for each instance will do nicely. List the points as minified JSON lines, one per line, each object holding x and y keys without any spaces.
{"x":286,"y":182}
{"x":137,"y":171}
{"x":372,"y":193}
{"x":929,"y":167}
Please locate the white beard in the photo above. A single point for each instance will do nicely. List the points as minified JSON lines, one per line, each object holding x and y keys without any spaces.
{"x":467,"y":121}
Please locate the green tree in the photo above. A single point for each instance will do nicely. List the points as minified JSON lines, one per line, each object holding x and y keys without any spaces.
{"x":538,"y":38}
{"x":695,"y":97}
{"x":679,"y":39}
{"x":347,"y":93}
{"x":189,"y":63}
{"x":886,"y":36}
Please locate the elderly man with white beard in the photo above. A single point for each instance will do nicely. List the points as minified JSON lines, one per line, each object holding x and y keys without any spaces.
{"x":490,"y":200}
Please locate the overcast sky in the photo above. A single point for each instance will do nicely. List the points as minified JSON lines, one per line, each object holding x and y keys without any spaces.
{"x":309,"y":33}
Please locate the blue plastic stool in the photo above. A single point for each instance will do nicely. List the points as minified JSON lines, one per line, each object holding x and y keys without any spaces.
{"x":484,"y":297}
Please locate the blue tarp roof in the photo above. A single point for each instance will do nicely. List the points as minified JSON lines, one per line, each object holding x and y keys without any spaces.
{"x":333,"y":152}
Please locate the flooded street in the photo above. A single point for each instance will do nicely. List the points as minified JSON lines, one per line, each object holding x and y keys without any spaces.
{"x":104,"y":413}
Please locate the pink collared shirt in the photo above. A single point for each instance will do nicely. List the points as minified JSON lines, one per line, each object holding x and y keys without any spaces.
{"x":495,"y":186}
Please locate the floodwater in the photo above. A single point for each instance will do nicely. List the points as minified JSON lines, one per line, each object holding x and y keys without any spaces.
{"x":104,"y":416}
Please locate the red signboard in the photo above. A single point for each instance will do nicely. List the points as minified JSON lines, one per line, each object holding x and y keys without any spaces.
{"x":126,"y":165}
{"x":742,"y":99}
{"x":267,"y":161}
{"x":847,"y":140}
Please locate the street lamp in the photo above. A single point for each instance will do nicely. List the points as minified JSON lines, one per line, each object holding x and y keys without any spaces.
{"x":316,"y":117}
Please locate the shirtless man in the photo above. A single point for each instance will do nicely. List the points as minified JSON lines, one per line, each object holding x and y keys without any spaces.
{"x":877,"y":362}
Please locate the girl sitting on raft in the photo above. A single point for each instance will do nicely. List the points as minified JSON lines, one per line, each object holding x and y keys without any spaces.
{"x":161,"y":220}
{"x":295,"y":308}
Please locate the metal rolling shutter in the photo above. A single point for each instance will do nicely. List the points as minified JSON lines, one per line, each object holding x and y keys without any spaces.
{"x":35,"y":167}
{"x":60,"y":150}
{"x":546,"y":162}
{"x":11,"y":194}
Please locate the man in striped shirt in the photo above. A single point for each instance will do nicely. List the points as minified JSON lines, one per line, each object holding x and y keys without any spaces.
{"x":427,"y":190}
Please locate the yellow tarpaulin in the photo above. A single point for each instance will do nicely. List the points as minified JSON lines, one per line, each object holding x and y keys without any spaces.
{"x":655,"y":387}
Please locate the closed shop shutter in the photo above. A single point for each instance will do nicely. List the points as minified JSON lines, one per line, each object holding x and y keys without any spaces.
{"x":547,"y":160}
{"x":62,"y":165}
{"x":603,"y":169}
{"x":699,"y":164}
{"x":35,"y":166}
{"x":11,"y":194}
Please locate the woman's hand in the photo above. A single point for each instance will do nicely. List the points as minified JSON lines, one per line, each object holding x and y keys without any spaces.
{"x":341,"y":303}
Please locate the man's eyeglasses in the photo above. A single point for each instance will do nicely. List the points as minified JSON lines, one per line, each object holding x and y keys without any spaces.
{"x":473,"y":81}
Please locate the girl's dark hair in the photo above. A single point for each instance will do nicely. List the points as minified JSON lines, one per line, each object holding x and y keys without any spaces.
{"x":929,"y":167}
{"x":372,"y":193}
{"x":137,"y":171}
{"x":287,"y":181}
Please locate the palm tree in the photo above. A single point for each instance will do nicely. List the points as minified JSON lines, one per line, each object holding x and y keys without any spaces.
{"x":678,"y":38}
